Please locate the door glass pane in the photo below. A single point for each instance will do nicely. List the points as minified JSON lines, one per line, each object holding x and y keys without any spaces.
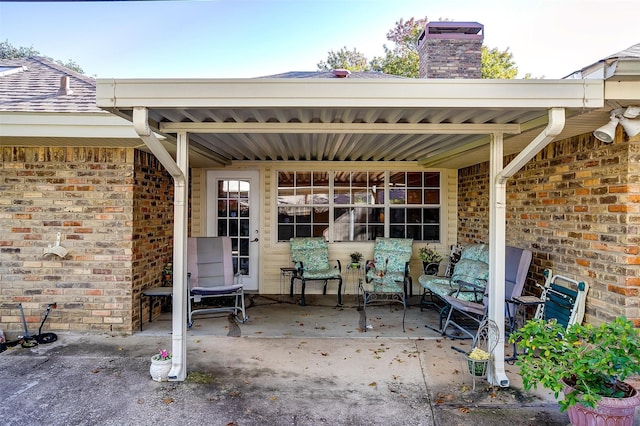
{"x":234,"y":219}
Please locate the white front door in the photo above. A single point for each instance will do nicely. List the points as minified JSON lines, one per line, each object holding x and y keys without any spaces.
{"x":233,"y":207}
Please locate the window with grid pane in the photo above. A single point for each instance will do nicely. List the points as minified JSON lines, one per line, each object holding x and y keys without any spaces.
{"x":303,"y":204}
{"x":358,"y":205}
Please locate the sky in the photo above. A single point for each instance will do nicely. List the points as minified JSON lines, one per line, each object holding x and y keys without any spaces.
{"x":252,"y":38}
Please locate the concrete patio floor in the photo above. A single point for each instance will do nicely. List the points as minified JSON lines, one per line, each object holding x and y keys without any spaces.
{"x":292,"y":365}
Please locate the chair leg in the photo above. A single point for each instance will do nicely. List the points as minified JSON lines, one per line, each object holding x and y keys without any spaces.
{"x":340,"y":291}
{"x":302,"y":293}
{"x":189,"y":309}
{"x":291,"y":287}
{"x":449,"y":322}
{"x":241,"y":308}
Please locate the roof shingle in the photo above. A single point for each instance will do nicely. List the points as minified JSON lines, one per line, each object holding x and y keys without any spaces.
{"x":35,"y":89}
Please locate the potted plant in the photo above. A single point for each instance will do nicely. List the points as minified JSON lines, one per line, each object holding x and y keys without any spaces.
{"x":587,"y":363}
{"x":430,"y":259}
{"x":167,"y":274}
{"x":160,"y":366}
{"x":356,"y":258}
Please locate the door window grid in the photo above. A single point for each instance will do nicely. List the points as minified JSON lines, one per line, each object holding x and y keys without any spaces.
{"x":233,"y":220}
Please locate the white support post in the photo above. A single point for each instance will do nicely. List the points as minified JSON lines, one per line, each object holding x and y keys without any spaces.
{"x":497,"y":227}
{"x":179,"y":170}
{"x":497,"y":236}
{"x":180,"y":299}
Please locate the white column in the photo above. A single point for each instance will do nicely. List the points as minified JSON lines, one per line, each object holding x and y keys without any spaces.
{"x":180,"y":216}
{"x":497,"y":237}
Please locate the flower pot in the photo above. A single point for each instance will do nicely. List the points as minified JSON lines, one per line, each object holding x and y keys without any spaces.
{"x":430,"y":268}
{"x":477,"y":367}
{"x":609,"y":411}
{"x":159,"y":369}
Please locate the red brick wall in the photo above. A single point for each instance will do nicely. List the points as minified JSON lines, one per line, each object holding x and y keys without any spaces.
{"x":576,"y":205}
{"x":90,"y":196}
{"x":152,"y":229}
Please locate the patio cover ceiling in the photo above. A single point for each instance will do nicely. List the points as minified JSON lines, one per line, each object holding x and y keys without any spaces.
{"x":438,"y":123}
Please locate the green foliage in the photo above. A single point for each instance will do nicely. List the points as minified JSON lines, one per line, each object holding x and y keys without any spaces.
{"x":497,"y":64}
{"x":593,"y":360}
{"x":9,"y":51}
{"x":429,"y":255}
{"x":356,"y":257}
{"x":398,"y":61}
{"x":344,"y":58}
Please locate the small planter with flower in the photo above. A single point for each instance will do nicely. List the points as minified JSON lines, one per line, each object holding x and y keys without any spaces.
{"x":356,"y":258}
{"x":478,"y":362}
{"x":430,"y":260}
{"x":160,"y":366}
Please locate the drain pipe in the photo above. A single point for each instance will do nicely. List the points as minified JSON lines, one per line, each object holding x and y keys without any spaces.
{"x":497,"y":228}
{"x":553,"y":129}
{"x":178,"y":170}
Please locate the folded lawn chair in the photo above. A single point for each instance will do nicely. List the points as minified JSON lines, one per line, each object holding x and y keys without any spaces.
{"x":563,"y":299}
{"x":210,"y":274}
{"x":311,"y":258}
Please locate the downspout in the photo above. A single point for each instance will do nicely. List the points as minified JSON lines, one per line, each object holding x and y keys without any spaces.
{"x":178,"y":170}
{"x":497,"y":227}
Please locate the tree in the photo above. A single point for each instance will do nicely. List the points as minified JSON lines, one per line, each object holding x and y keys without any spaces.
{"x":497,"y":64}
{"x":403,"y":58}
{"x":9,"y":51}
{"x":351,"y":60}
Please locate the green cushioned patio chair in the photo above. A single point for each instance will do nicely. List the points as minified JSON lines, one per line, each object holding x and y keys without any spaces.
{"x":387,"y":275}
{"x":311,"y":259}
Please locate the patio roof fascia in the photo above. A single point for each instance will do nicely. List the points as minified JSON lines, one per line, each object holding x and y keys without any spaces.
{"x":273,"y":93}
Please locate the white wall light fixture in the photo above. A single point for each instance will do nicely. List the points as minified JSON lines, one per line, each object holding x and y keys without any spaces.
{"x":624,"y":117}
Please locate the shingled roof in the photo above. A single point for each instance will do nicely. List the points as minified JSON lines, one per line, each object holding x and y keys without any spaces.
{"x":32,"y":85}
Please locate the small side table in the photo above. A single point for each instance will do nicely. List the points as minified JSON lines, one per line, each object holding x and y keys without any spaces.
{"x":152,"y":292}
{"x":354,"y":274}
{"x":521,"y":303}
{"x":285,"y":272}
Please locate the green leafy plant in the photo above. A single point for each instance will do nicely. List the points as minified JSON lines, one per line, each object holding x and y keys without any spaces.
{"x":356,"y":257}
{"x":429,"y":255}
{"x":593,"y":360}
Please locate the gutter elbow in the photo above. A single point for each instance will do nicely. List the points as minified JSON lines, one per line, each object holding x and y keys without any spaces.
{"x":140,"y":124}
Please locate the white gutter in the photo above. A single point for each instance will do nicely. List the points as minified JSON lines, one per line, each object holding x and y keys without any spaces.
{"x":497,"y":227}
{"x":179,"y":171}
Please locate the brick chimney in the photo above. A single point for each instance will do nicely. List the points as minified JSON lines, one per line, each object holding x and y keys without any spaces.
{"x":451,"y":50}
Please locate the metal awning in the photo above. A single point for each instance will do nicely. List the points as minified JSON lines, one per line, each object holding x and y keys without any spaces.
{"x":442,"y":123}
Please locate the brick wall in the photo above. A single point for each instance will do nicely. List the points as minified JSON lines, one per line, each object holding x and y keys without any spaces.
{"x":576,"y":205}
{"x":152,"y":230}
{"x":92,"y":196}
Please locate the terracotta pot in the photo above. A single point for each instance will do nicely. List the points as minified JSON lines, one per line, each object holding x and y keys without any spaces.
{"x":609,"y":411}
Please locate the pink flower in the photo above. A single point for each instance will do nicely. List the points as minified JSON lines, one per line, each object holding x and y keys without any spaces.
{"x":163,"y":355}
